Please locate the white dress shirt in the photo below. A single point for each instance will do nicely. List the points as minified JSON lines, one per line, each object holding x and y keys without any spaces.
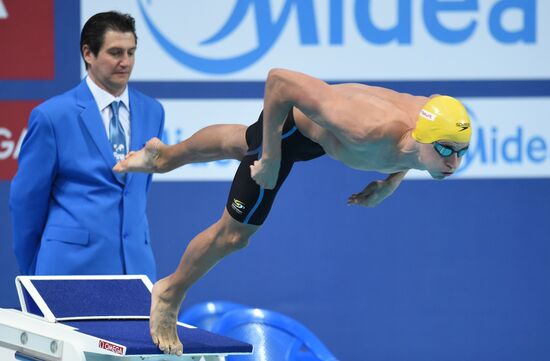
{"x":104,"y":99}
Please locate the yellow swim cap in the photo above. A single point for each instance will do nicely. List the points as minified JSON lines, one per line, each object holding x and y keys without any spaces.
{"x":443,"y":118}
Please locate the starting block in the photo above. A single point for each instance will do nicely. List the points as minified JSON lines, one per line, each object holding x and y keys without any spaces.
{"x":96,"y":318}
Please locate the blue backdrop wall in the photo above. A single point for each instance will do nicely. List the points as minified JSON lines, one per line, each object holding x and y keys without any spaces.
{"x":452,"y":270}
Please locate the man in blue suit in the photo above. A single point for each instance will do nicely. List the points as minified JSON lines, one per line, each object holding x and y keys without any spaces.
{"x":71,"y":213}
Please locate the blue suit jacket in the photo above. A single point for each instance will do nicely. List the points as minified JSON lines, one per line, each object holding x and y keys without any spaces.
{"x":71,"y":214}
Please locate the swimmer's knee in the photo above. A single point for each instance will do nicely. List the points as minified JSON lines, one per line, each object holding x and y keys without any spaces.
{"x":233,"y":235}
{"x":235,"y":143}
{"x":236,"y":241}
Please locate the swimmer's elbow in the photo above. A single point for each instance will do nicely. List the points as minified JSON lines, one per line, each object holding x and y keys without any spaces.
{"x":288,"y":88}
{"x":277,"y":75}
{"x":292,"y":87}
{"x":277,"y":83}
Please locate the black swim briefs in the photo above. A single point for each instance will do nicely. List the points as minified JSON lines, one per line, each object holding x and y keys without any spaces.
{"x":249,"y":203}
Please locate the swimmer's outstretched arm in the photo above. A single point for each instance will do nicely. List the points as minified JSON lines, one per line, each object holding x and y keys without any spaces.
{"x":377,"y":191}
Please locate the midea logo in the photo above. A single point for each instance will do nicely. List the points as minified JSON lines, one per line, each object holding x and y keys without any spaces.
{"x":433,"y":13}
{"x":495,"y":148}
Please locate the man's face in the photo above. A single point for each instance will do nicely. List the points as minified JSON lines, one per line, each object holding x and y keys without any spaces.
{"x":112,"y":66}
{"x":437,"y":165}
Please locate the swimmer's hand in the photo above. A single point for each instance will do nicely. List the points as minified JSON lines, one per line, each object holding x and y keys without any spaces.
{"x":265,"y":172}
{"x":146,"y":160}
{"x":373,"y":194}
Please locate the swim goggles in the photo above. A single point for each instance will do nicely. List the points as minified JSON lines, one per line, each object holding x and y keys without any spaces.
{"x":446,"y":151}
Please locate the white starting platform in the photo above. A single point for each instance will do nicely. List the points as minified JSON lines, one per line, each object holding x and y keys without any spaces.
{"x":95,"y":318}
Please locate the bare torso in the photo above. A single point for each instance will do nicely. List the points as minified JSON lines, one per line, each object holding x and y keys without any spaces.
{"x":383,"y":116}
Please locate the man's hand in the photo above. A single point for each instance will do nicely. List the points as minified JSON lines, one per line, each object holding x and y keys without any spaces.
{"x":373,"y":194}
{"x":265,"y":172}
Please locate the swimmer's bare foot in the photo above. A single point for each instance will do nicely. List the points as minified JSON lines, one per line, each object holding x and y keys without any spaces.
{"x":164,"y":315}
{"x":145,"y":160}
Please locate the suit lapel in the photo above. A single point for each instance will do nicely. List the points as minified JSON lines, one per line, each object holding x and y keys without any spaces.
{"x":91,"y":118}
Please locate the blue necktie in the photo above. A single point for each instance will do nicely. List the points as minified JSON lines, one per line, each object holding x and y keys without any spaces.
{"x":116,"y":134}
{"x":117,"y":138}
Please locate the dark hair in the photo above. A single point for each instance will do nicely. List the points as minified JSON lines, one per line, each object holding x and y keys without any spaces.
{"x":94,"y":30}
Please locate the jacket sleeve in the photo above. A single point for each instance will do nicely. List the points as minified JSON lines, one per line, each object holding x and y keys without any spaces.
{"x":31,"y":189}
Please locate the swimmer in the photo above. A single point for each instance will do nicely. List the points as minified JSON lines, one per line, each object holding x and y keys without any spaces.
{"x":364,"y":127}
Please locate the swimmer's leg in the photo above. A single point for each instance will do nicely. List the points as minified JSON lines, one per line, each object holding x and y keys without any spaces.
{"x":216,"y":142}
{"x":203,"y":252}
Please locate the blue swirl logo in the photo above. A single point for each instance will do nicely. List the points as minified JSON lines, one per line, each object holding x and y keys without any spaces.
{"x":268,"y":31}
